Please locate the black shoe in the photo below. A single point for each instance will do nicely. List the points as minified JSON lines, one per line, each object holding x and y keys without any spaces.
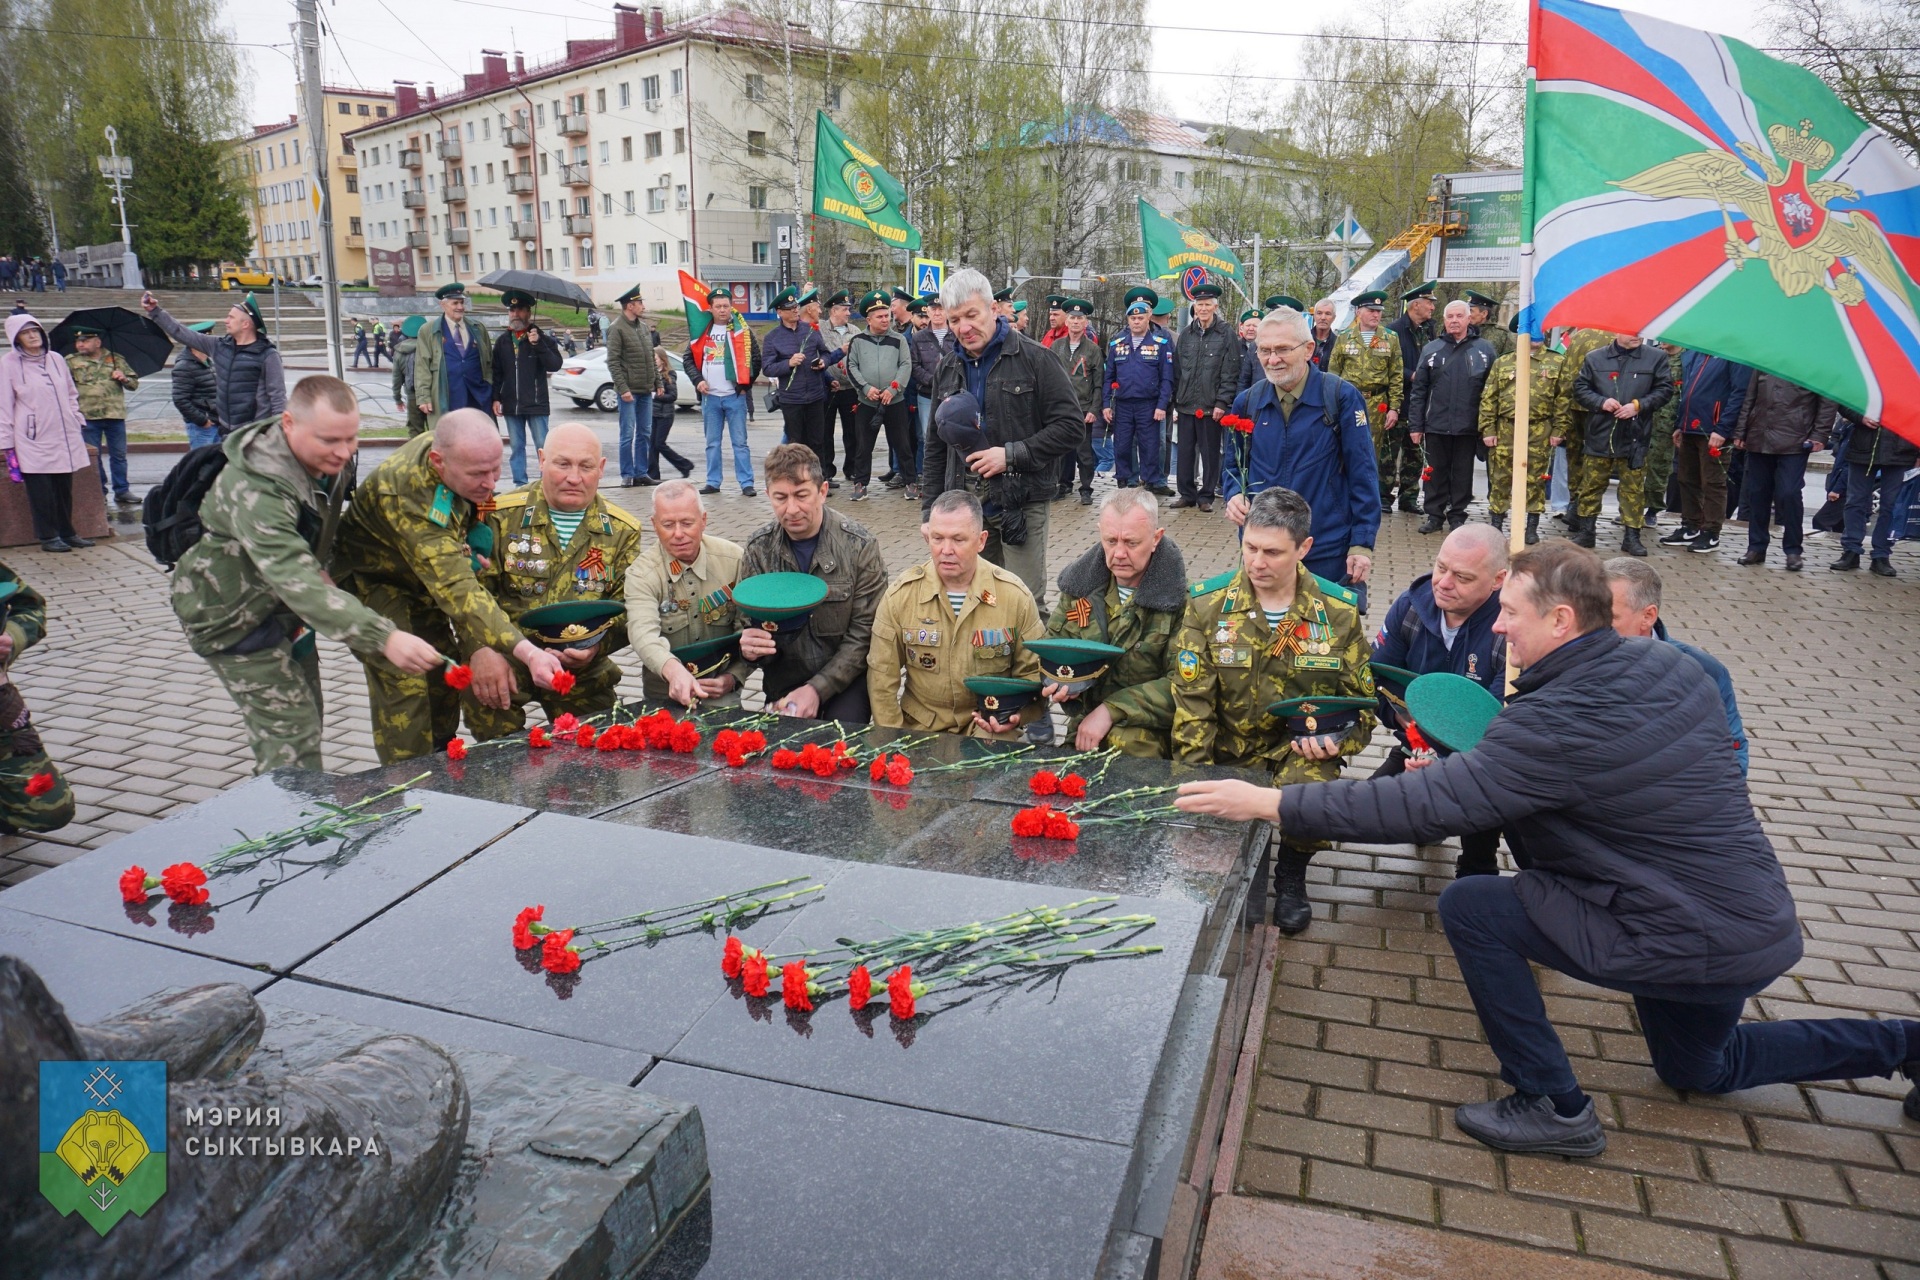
{"x":1630,"y":543}
{"x":749,"y":492}
{"x":900,"y":482}
{"x":55,"y":544}
{"x":1206,"y":505}
{"x":1882,"y":568}
{"x":1528,"y":1122}
{"x":1652,"y":517}
{"x":685,"y":469}
{"x":833,"y":486}
{"x":890,"y":477}
{"x":1432,"y":524}
{"x":627,"y":482}
{"x":1291,"y":910}
{"x":1456,"y":522}
{"x":1847,"y":563}
{"x":1752,"y":557}
{"x":76,"y":542}
{"x":1680,"y":537}
{"x":1180,"y":503}
{"x":1582,"y":535}
{"x":125,"y":500}
{"x":1160,"y":491}
{"x":1086,"y":499}
{"x":1410,"y":506}
{"x":1706,"y":543}
{"x":1498,"y":519}
{"x":1795,"y":563}
{"x":1533,"y":529}
{"x":709,"y":489}
{"x":1386,"y":504}
{"x":645,"y":482}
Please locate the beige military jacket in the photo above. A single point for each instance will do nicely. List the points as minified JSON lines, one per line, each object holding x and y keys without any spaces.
{"x":915,"y":631}
{"x":671,"y":604}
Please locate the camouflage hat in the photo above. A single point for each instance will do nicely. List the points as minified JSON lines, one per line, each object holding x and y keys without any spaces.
{"x":572,"y":624}
{"x":1310,"y":717}
{"x":1452,"y":711}
{"x":412,"y":325}
{"x":1274,"y":301}
{"x":1073,"y":663}
{"x":708,"y":657}
{"x":779,"y":602}
{"x":998,"y":697}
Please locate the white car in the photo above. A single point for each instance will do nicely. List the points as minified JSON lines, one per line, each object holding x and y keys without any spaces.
{"x":584,"y":379}
{"x":314,"y":281}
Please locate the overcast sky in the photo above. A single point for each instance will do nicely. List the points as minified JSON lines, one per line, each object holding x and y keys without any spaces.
{"x":370,"y":47}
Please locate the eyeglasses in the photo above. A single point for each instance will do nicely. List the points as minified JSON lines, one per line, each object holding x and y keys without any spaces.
{"x":1280,"y":352}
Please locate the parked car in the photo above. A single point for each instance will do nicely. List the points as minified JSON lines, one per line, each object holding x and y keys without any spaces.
{"x":245,"y":278}
{"x":584,"y":379}
{"x":314,"y":281}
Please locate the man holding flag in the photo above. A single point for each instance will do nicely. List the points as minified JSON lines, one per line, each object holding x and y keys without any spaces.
{"x":724,"y":361}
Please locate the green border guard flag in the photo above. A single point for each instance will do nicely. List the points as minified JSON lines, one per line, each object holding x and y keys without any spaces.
{"x":1171,"y":247}
{"x":850,"y":186}
{"x":103,"y":1138}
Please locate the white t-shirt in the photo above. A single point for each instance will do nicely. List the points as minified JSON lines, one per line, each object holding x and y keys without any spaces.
{"x":1447,"y":633}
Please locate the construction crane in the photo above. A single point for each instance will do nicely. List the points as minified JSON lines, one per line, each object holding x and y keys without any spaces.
{"x":1439,"y":222}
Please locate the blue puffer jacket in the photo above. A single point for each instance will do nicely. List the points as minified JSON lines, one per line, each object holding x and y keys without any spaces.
{"x":1611,"y":767}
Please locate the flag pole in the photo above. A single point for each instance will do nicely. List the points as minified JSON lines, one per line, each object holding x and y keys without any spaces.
{"x":1523,"y":351}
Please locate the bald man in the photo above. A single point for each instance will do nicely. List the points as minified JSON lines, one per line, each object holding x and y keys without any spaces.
{"x":412,"y":548}
{"x":557,"y":541}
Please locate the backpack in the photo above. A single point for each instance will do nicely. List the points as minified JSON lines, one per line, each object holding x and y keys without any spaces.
{"x":171,"y":513}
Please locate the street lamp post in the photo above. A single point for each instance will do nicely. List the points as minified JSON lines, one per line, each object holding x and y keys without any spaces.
{"x":129,"y":261}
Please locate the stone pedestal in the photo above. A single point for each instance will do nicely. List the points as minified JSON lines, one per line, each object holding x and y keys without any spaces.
{"x":89,"y":507}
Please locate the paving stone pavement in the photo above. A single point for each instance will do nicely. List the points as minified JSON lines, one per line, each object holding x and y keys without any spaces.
{"x":1370,"y":1038}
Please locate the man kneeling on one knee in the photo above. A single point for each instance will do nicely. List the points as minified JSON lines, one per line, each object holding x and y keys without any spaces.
{"x":1612,"y":769}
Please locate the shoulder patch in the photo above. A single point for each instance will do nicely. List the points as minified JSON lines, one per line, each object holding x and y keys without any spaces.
{"x":1346,"y":595}
{"x":624,"y":516}
{"x":1211,"y":585}
{"x":513,"y":498}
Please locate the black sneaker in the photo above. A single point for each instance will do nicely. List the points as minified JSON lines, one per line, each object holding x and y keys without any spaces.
{"x":749,"y":492}
{"x":1680,"y":537}
{"x":1528,"y":1122}
{"x":77,"y":542}
{"x":1881,"y":567}
{"x":1847,"y":563}
{"x":1705,"y":542}
{"x":55,"y":544}
{"x":1432,"y":524}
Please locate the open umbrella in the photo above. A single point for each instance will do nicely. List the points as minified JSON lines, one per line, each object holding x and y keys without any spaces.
{"x":140,"y":342}
{"x":549,"y":288}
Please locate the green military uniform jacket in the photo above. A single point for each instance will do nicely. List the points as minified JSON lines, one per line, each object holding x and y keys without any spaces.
{"x":1567,"y":414}
{"x":830,"y":654}
{"x":917,"y":631}
{"x":1371,"y":362}
{"x":670,"y":604}
{"x":100,"y":396}
{"x":630,"y":360}
{"x":260,"y":555}
{"x":1136,"y":688}
{"x":1086,"y":367}
{"x":1496,"y":420}
{"x":530,"y":567}
{"x":430,"y":368}
{"x":1497,"y":336}
{"x":407,"y":532}
{"x":1229,"y":666}
{"x":26,"y":614}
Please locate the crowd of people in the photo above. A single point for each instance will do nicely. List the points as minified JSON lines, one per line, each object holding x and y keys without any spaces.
{"x":32,"y":275}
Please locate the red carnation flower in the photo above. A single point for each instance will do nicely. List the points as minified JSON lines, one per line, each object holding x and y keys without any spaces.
{"x":785,"y":758}
{"x":878,"y":769}
{"x":1061,"y":827}
{"x":612,"y":739}
{"x":859,"y":987}
{"x":39,"y":784}
{"x":133,"y":884}
{"x":563,"y":683}
{"x":753,"y":740}
{"x":457,"y":749}
{"x":1044,"y":783}
{"x":556,"y":956}
{"x":1426,"y":473}
{"x":1415,"y":738}
{"x":753,"y":973}
{"x":584,"y":736}
{"x":823,"y":765}
{"x":1235,"y":422}
{"x":730,"y":956}
{"x":658,"y":729}
{"x":1031,"y":822}
{"x":1073,"y":786}
{"x":567,"y":723}
{"x":537,"y":737}
{"x":900,"y":772}
{"x":182,"y":882}
{"x":459,"y":676}
{"x":686,"y":737}
{"x":725,"y":740}
{"x":523,"y":935}
{"x":900,"y":991}
{"x":793,"y":986}
{"x":736,"y":758}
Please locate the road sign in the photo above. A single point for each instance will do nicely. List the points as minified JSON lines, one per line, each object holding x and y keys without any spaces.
{"x":1348,"y":229}
{"x":1020,"y":276}
{"x":929,"y":274}
{"x":1070,"y":278}
{"x":1191,"y":279}
{"x":115,"y":166}
{"x":783,"y":237}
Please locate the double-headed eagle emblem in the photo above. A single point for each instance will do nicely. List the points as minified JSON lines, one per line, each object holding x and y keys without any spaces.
{"x":1798,"y":236}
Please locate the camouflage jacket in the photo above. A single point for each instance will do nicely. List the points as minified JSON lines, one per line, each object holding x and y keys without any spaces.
{"x":1568,"y":416}
{"x":259,"y":555}
{"x":100,"y":396}
{"x":1667,"y":417}
{"x":1135,"y":688}
{"x":1496,"y":398}
{"x":529,"y":567}
{"x":1497,"y":336}
{"x":25,"y":612}
{"x":1373,"y":366}
{"x":408,"y":531}
{"x":1229,"y":666}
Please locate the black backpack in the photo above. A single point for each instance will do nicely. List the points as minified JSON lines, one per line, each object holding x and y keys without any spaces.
{"x":171,"y":512}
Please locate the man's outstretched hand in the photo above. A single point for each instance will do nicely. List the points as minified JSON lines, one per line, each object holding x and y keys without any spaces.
{"x":1230,"y":798}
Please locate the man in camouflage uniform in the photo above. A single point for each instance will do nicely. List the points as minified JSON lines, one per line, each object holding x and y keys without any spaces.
{"x":25,"y":805}
{"x":1128,"y":591}
{"x":1569,"y":417}
{"x":1660,"y":448}
{"x":1367,"y":354}
{"x":253,"y":591}
{"x":405,"y":551}
{"x":1496,"y":432}
{"x":557,"y":540}
{"x":1621,"y":387}
{"x":1267,"y":632}
{"x":102,"y":378}
{"x":1481,"y":311}
{"x":680,"y":591}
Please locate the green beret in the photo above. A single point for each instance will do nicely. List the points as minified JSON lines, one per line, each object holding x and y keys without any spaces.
{"x":1073,"y":663}
{"x":839,"y":297}
{"x":1371,"y":298}
{"x":1309,"y":717}
{"x":410,"y":327}
{"x":1476,"y":298}
{"x":1003,"y":295}
{"x":1452,"y":711}
{"x":1000,"y":696}
{"x":1076,"y":306}
{"x":780,"y":602}
{"x":808,"y":294}
{"x":1275,"y":301}
{"x":1206,"y":289}
{"x":516,"y":298}
{"x":630,"y":295}
{"x":454,"y":290}
{"x":787,"y":297}
{"x":708,"y":657}
{"x":1140,"y":293}
{"x":1419,"y":291}
{"x":877,"y":299}
{"x":1020,"y":306}
{"x":1164,"y":307}
{"x":572,"y":624}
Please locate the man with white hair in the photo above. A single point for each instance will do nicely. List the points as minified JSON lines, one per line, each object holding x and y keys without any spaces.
{"x":1029,"y":419}
{"x":680,"y":592}
{"x":1443,"y":415}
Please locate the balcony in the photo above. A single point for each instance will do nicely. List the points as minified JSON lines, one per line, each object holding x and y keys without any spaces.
{"x":348,"y":162}
{"x":575,"y":175}
{"x":572,"y":126}
{"x":418,"y":240}
{"x":356,"y":241}
{"x":450,"y":148}
{"x":454,"y":193}
{"x":519,"y":184}
{"x":516,"y":137}
{"x":414,"y":199}
{"x":409,"y":157}
{"x":460,"y":237}
{"x":577,"y":224}
{"x":522,"y":230}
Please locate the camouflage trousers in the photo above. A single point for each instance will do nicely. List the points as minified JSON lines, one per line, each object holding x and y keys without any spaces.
{"x":412,"y":715}
{"x":592,"y":693}
{"x":1395,"y":455}
{"x":1500,"y":474}
{"x":278,"y":693}
{"x":1659,"y":467}
{"x":27,"y":759}
{"x":1590,"y":485}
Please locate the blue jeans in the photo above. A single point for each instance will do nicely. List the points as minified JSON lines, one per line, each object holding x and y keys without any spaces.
{"x":728,"y":414}
{"x":1694,"y":1034}
{"x":198,"y":435}
{"x":1773,"y":485}
{"x":1861,"y":487}
{"x":518,"y":427}
{"x":636,"y":435}
{"x":1559,"y":497}
{"x":109,"y":435}
{"x":1102,"y":446}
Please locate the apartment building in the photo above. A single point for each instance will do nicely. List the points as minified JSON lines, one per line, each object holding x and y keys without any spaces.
{"x":275,"y":164}
{"x":623,"y":160}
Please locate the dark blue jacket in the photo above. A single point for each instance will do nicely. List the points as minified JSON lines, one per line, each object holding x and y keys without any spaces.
{"x":1411,"y":638}
{"x":1332,"y":467}
{"x":804,"y":385}
{"x":1610,"y":768}
{"x":1140,"y":373}
{"x":1723,"y":681}
{"x":1711,"y":390}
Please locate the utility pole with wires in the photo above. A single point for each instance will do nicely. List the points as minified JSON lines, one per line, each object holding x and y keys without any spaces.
{"x":313,"y":103}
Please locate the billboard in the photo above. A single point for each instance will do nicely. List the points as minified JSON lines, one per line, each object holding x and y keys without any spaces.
{"x":392,"y":272}
{"x":1489,"y":249}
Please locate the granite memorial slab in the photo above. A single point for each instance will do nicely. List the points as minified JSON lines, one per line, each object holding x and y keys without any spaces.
{"x":93,"y":974}
{"x":564,"y":778}
{"x":1121,"y":774}
{"x":289,"y":906}
{"x":450,"y":946}
{"x":1072,"y":1051}
{"x":823,"y":1186}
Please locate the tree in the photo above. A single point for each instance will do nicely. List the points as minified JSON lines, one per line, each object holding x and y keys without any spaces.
{"x":1868,"y":53}
{"x":181,"y":204}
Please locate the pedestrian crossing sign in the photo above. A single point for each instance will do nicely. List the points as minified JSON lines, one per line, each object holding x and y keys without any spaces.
{"x":928,"y":275}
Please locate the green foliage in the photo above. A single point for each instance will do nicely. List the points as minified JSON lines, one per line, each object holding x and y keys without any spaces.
{"x":181,"y":205}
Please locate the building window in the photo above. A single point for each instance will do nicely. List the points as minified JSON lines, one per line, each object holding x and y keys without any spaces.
{"x":673,"y":79}
{"x":543,"y":164}
{"x":686,"y":251}
{"x":626,"y":94}
{"x":606,"y":202}
{"x":380,"y":113}
{"x":832,"y":97}
{"x":756,"y":197}
{"x":650,"y":88}
{"x":629,"y":202}
{"x":549,"y":259}
{"x":466,"y":262}
{"x":353,"y":226}
{"x":633,"y":255}
{"x":353,"y":184}
{"x":657,"y":253}
{"x":489,"y":173}
{"x":756,"y":142}
{"x":680,"y":200}
{"x":346,"y":109}
{"x":586,"y":256}
{"x":756,"y":87}
{"x":578,"y":102}
{"x":540,"y":118}
{"x":653,"y":146}
{"x":760,"y":248}
{"x":656,"y":200}
{"x":1179,"y":179}
{"x":606,"y":152}
{"x":626,"y":148}
{"x":679,"y":142}
{"x":599,"y":103}
{"x":364,"y":110}
{"x":566,"y":259}
{"x":546,"y":211}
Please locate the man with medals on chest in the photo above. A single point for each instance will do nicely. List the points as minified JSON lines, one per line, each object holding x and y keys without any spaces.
{"x":1367,"y":354}
{"x":559,"y":567}
{"x":679,"y":596}
{"x":1270,"y":671}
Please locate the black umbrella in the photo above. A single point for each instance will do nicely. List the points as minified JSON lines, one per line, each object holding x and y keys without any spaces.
{"x":549,"y":288}
{"x":140,"y":342}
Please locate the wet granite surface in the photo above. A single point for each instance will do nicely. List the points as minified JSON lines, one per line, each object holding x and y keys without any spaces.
{"x":93,"y":974}
{"x":564,"y":778}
